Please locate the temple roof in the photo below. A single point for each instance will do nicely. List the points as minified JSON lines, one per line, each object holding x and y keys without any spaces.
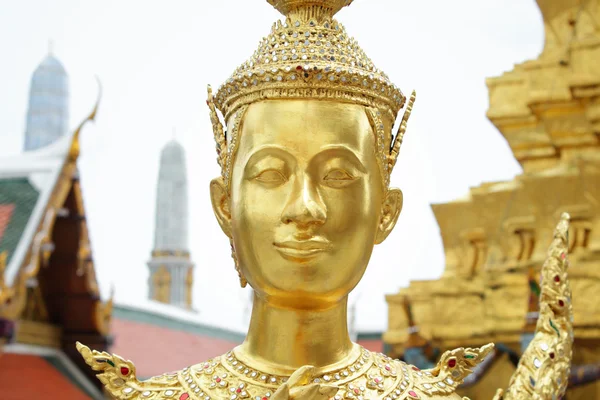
{"x":55,"y":376}
{"x":137,"y":328}
{"x":26,"y":185}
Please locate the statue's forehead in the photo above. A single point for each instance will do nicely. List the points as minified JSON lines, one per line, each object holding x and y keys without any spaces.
{"x":306,"y":122}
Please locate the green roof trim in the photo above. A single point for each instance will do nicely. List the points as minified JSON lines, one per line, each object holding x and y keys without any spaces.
{"x":369,"y":336}
{"x":148,"y":317}
{"x":20,"y":193}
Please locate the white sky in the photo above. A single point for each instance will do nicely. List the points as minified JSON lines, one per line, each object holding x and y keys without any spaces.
{"x":155,"y":58}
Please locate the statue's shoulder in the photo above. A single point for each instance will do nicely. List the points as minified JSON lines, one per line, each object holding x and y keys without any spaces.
{"x":120,"y":380}
{"x":441,"y":381}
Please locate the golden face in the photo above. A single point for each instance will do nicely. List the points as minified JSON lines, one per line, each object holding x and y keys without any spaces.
{"x":307,"y":202}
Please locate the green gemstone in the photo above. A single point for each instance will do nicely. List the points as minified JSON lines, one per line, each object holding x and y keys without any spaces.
{"x":554,"y":327}
{"x":534,"y":287}
{"x":112,"y":364}
{"x":469,"y":356}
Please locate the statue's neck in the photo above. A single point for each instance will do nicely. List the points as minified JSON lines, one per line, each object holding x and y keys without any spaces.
{"x":281,"y":339}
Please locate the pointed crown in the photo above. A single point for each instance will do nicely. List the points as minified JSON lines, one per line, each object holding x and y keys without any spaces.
{"x":309,"y":56}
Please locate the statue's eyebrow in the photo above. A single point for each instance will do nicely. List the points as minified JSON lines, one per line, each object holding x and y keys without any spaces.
{"x":267,"y":151}
{"x":343,"y":152}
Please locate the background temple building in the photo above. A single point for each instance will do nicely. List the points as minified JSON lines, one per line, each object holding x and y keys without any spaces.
{"x":496,"y":237}
{"x":171,"y":271}
{"x":49,"y":297}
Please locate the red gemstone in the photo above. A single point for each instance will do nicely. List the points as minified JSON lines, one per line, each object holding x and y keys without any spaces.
{"x":265,"y":398}
{"x":411,"y":393}
{"x":561,"y":303}
{"x":563,"y":255}
{"x":387,"y":368}
{"x":452,"y":363}
{"x":415,"y":368}
{"x":299,"y":68}
{"x":356,"y":391}
{"x":124,"y":371}
{"x":184,"y":396}
{"x":552,"y":355}
{"x":238,"y":390}
{"x":557,"y":279}
{"x":218,"y":380}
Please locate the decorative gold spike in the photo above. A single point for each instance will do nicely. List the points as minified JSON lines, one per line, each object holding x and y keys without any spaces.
{"x":543,"y":371}
{"x":459,"y":363}
{"x":117,"y":375}
{"x":218,"y":131}
{"x":401,"y":131}
{"x":74,"y":150}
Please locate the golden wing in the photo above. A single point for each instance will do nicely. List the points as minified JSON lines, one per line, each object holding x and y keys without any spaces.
{"x":119,"y":379}
{"x":543,"y":371}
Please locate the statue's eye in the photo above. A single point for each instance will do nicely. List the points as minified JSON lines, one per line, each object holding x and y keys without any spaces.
{"x":271,"y":176}
{"x":338,"y":178}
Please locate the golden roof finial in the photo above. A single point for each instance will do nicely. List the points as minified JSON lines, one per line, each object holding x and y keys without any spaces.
{"x":74,"y":150}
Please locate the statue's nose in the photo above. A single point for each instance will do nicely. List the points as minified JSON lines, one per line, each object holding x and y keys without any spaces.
{"x":305,"y":206}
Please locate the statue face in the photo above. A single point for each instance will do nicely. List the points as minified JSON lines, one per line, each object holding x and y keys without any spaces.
{"x":306,"y":199}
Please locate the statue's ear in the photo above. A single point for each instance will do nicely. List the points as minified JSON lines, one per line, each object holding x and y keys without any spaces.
{"x":220,"y":204}
{"x":390,"y":211}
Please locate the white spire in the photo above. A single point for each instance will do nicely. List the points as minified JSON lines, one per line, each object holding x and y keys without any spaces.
{"x":48,"y":113}
{"x":171,"y":200}
{"x":171,"y":271}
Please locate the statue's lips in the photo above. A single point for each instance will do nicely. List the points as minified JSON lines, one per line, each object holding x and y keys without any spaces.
{"x":302,"y":248}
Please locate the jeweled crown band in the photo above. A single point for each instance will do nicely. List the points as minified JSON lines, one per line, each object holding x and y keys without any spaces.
{"x":339,"y":94}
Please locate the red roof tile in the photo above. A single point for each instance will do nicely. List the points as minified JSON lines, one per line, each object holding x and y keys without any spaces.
{"x":32,"y":377}
{"x":156,"y":349}
{"x":6,"y":211}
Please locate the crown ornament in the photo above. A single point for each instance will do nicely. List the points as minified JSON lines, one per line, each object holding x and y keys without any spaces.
{"x":309,"y":55}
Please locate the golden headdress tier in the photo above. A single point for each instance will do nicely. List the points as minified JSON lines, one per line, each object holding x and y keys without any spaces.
{"x":309,"y":56}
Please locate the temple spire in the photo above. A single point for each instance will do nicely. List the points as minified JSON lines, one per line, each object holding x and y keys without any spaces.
{"x":48,"y":112}
{"x":171,"y":271}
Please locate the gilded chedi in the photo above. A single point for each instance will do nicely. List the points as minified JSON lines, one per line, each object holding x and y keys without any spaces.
{"x":303,"y":198}
{"x":548,"y":111}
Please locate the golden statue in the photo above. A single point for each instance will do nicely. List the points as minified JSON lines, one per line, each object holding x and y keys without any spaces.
{"x":303,"y":197}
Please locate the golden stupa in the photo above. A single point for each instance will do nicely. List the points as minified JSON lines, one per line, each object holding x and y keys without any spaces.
{"x":303,"y":197}
{"x":548,"y":111}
